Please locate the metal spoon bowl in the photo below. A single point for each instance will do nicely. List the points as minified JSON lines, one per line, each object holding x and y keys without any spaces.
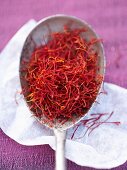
{"x":37,"y":37}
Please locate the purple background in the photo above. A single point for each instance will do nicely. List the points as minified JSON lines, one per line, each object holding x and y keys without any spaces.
{"x":108,"y":18}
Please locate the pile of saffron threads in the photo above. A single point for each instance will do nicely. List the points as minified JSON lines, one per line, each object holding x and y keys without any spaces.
{"x":62,"y":77}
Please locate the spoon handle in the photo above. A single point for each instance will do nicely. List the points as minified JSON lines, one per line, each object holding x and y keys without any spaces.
{"x":60,"y":149}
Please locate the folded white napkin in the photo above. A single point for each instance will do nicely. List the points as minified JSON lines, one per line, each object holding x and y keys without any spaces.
{"x":105,"y":147}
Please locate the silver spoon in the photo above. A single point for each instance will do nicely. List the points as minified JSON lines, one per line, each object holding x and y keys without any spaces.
{"x":45,"y":27}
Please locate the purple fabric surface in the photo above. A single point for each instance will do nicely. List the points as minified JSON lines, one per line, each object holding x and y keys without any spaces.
{"x":108,"y":18}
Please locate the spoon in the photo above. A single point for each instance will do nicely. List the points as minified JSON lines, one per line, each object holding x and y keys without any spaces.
{"x":45,"y":27}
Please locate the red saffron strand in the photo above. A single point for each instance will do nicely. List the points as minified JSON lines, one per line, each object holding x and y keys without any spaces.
{"x":95,"y":120}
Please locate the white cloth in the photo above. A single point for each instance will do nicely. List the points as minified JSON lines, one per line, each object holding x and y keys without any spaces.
{"x":106,"y":147}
